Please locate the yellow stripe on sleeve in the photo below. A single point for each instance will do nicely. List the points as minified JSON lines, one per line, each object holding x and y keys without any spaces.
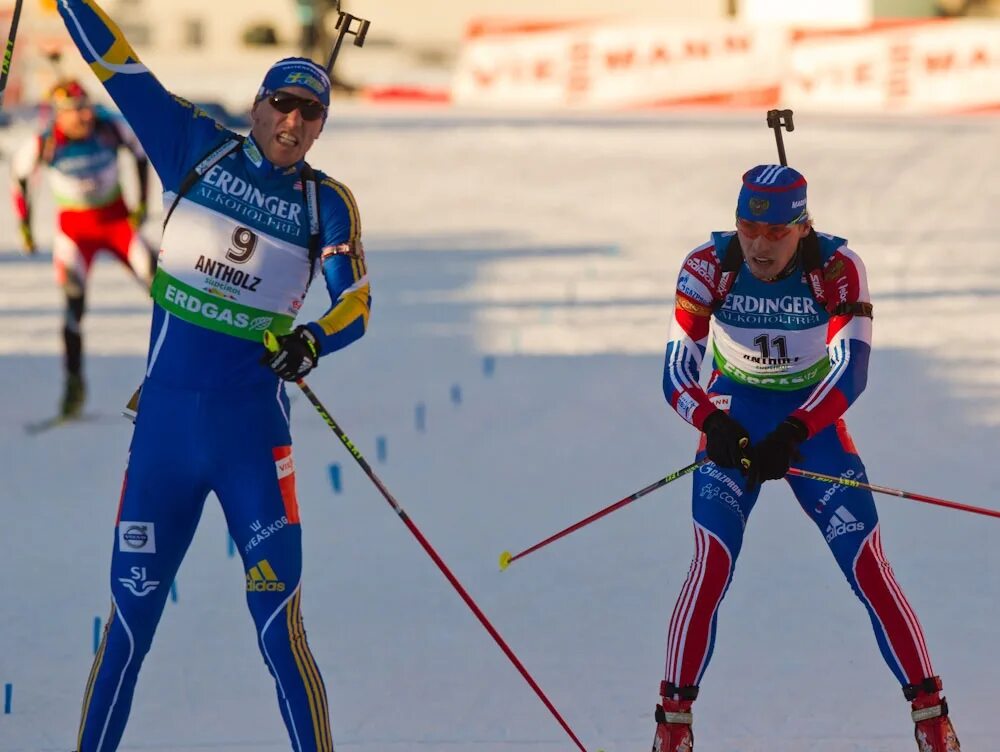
{"x":119,"y":52}
{"x":351,"y":305}
{"x":352,"y":206}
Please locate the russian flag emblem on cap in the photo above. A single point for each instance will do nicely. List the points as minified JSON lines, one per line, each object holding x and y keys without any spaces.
{"x":775,"y":194}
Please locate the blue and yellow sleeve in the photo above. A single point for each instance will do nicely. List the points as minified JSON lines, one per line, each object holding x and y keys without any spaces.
{"x":344,"y":269}
{"x":171,"y":130}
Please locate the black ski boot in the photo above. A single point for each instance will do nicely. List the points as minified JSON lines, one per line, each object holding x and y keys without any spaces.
{"x":73,"y":398}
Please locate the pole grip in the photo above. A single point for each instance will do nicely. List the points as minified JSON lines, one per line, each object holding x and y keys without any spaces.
{"x":270,"y":341}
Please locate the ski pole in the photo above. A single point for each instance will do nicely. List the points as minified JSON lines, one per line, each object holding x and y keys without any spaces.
{"x":506,"y":557}
{"x":891,"y":492}
{"x":271,"y":343}
{"x":8,"y":54}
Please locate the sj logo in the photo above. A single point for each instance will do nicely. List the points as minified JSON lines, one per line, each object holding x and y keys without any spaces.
{"x":138,"y":584}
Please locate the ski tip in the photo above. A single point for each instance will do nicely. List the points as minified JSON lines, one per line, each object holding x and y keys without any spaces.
{"x":505,"y":558}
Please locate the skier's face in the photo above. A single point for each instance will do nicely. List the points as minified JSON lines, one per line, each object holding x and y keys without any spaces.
{"x":768,"y":249}
{"x":75,"y":119}
{"x":285,"y":137}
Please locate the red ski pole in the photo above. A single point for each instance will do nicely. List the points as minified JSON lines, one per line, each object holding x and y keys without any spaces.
{"x":271,"y":343}
{"x":506,"y":557}
{"x":892,"y":492}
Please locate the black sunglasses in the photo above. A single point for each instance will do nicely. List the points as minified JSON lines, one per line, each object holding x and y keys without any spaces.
{"x":284,"y":102}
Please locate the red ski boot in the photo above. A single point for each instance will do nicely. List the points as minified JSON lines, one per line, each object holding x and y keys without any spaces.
{"x":933,"y":732}
{"x":673,"y":719}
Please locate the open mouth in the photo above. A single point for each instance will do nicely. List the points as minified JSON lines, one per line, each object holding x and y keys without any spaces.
{"x":286,"y":139}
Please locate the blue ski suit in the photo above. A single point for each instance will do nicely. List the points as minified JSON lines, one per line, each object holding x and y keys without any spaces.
{"x":238,"y":252}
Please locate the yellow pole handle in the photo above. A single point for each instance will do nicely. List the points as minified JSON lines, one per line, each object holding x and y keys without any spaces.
{"x":270,"y":341}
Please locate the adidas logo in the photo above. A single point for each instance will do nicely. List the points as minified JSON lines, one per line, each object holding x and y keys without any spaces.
{"x":262,"y":579}
{"x":842,"y":522}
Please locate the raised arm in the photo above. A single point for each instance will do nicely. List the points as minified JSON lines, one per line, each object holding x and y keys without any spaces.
{"x":172,"y":131}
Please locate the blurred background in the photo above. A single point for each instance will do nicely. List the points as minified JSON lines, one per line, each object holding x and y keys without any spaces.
{"x":531,"y":174}
{"x":862,"y":55}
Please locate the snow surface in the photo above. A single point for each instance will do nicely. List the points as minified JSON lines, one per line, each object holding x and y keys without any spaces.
{"x":553,"y":245}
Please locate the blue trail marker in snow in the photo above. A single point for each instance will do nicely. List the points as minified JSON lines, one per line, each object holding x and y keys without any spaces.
{"x":173,"y":591}
{"x":381,"y":448}
{"x":8,"y":697}
{"x":230,"y":546}
{"x":489,"y":365}
{"x":456,"y":394}
{"x":97,"y":633}
{"x":335,"y":477}
{"x":420,"y":416}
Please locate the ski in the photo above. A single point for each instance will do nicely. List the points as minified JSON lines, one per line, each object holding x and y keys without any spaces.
{"x":40,"y":426}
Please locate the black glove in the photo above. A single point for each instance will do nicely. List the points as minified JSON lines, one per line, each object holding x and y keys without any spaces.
{"x":297,"y":354}
{"x":771,"y":457}
{"x":727,"y":441}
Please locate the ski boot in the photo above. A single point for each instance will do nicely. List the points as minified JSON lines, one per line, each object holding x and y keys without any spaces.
{"x":673,"y":719}
{"x":72,"y":401}
{"x":933,"y":732}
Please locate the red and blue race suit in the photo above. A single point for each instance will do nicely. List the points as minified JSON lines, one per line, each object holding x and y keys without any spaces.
{"x":92,"y":217}
{"x":778,"y":352}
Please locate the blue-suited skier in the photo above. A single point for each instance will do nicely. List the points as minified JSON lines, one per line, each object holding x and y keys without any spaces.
{"x":249,"y":224}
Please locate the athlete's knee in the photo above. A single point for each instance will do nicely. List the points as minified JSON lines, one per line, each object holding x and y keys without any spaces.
{"x":713,"y":562}
{"x":140,"y":597}
{"x":864,"y":563}
{"x":270,"y":599}
{"x":74,"y":287}
{"x":127,"y":637}
{"x":75,"y":306}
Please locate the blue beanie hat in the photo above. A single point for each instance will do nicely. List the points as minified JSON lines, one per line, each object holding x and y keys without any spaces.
{"x":772,"y":193}
{"x":297,"y":71}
